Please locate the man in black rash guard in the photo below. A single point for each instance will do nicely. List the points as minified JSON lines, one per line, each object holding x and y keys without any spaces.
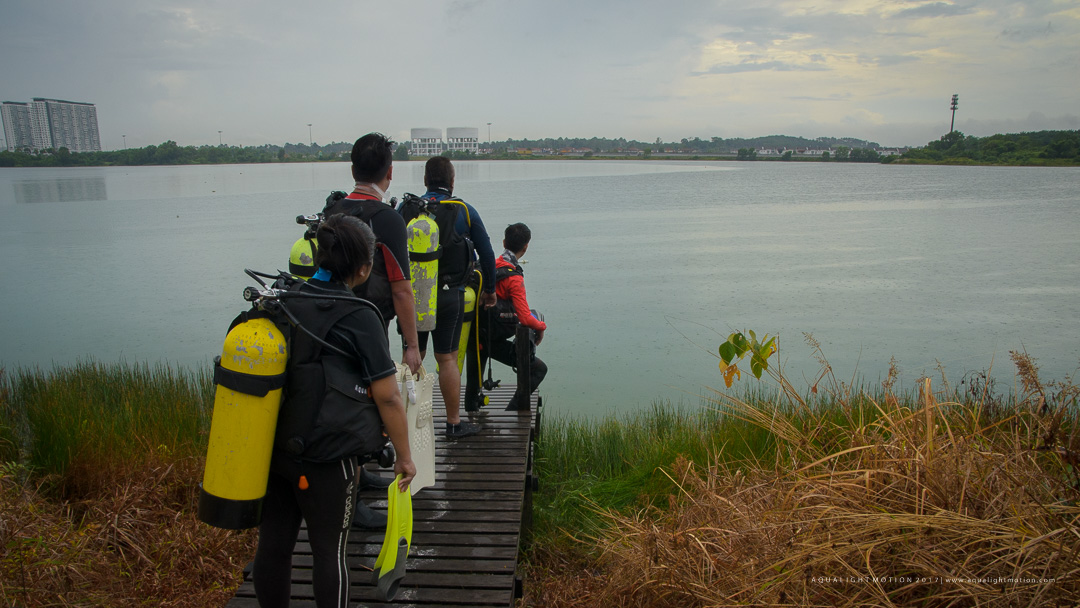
{"x":389,"y":287}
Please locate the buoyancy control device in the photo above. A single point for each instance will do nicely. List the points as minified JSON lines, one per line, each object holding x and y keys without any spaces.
{"x":377,"y":288}
{"x":501,"y":320}
{"x":276,"y":372}
{"x":458,"y":252}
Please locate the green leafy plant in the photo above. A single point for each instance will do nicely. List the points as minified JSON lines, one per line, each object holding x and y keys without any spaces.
{"x":737,"y":347}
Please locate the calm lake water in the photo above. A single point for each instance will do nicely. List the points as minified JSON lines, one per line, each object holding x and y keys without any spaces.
{"x":641,"y":268}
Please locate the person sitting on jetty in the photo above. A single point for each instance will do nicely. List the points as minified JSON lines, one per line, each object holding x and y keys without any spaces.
{"x":499,"y":325}
{"x":313,"y":467}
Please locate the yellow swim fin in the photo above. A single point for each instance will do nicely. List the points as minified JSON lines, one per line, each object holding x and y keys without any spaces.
{"x":390,"y":565}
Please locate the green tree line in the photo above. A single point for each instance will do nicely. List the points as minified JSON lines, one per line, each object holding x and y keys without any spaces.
{"x":695,"y":145}
{"x":170,"y":153}
{"x":1036,"y":148}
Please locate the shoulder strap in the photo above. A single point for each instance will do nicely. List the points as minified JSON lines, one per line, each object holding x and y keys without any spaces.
{"x":464,"y":207}
{"x":362,"y":208}
{"x":367,"y":212}
{"x":316,"y":312}
{"x":505,"y":272}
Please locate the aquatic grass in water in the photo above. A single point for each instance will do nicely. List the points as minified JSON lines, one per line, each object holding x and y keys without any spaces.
{"x":92,"y":413}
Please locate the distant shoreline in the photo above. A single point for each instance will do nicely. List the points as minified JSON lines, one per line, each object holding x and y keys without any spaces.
{"x":1042,"y":148}
{"x":597,"y":157}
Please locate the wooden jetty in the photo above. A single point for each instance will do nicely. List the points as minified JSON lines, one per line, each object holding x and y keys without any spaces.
{"x":467,"y":528}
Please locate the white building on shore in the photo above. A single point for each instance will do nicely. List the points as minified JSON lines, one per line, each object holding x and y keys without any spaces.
{"x":463,"y":139}
{"x":426,"y":142}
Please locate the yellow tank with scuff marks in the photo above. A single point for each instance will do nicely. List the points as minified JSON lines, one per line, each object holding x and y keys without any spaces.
{"x":249,"y":375}
{"x":424,"y":268}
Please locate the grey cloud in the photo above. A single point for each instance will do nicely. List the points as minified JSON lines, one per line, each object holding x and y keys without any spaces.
{"x":886,"y":60}
{"x":837,"y":97}
{"x":1028,"y":33}
{"x":937,"y":9}
{"x":763,"y":66}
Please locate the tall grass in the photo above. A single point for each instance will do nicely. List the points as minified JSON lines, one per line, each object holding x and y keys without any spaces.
{"x":588,"y":465}
{"x":90,"y":414}
{"x":99,"y":471}
{"x":843,"y":499}
{"x":9,"y":445}
{"x":591,"y":466}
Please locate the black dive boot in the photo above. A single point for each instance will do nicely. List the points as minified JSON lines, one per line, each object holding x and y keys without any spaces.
{"x":368,"y":519}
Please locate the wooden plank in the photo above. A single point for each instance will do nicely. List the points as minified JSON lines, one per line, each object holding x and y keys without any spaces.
{"x":466,"y":530}
{"x":420,"y":564}
{"x":424,"y":596}
{"x":417,"y":579}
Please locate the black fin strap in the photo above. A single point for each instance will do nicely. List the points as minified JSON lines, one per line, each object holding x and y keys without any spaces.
{"x":248,"y":384}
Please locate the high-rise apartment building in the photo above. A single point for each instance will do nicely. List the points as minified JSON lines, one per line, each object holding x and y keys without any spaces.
{"x":18,"y":131}
{"x":51,"y":124}
{"x":65,"y":124}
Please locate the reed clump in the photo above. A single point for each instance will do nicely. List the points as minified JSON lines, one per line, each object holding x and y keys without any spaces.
{"x":136,"y":542}
{"x":72,"y":420}
{"x":99,"y":472}
{"x":888,"y":500}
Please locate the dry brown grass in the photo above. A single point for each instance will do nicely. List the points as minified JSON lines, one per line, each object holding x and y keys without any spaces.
{"x":125,"y":536}
{"x":929,"y":505}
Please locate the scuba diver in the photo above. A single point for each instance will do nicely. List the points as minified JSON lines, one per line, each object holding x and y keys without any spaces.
{"x":462,"y":239}
{"x":341,"y":393}
{"x":390,"y":286}
{"x":498,"y":325}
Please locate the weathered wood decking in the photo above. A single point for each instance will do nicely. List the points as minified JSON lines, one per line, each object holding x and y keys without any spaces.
{"x":467,"y":527}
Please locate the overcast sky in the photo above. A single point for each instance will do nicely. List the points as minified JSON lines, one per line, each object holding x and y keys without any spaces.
{"x":261,"y":71}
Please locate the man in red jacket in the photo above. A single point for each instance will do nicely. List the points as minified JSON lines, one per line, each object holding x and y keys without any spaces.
{"x":512,"y":307}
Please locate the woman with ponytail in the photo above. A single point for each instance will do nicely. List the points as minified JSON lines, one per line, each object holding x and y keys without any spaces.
{"x":338,"y":401}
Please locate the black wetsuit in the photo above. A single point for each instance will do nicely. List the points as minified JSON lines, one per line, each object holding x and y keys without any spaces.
{"x":327,"y":503}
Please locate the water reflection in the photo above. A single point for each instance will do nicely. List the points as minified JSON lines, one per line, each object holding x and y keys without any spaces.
{"x":70,"y":189}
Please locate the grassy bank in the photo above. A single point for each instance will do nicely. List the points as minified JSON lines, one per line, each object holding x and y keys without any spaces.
{"x":846,"y":499}
{"x":840,"y":497}
{"x":99,"y":472}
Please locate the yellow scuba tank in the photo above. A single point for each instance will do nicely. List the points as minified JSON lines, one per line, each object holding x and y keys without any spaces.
{"x":424,"y":268}
{"x":467,"y":325}
{"x":249,"y":376}
{"x":302,"y":258}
